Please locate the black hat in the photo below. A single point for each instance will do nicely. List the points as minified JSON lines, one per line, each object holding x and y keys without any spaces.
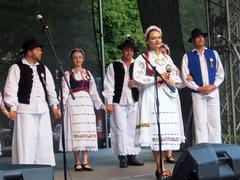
{"x":196,"y":32}
{"x":29,"y":44}
{"x":129,"y":42}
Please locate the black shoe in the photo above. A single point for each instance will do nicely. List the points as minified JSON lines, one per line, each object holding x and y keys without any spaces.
{"x":78,"y":167}
{"x":158,"y":175}
{"x":86,"y":167}
{"x":122,"y":161}
{"x":132,"y":161}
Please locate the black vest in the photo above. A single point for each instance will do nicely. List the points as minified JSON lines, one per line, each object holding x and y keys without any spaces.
{"x":119,"y":80}
{"x":26,"y":81}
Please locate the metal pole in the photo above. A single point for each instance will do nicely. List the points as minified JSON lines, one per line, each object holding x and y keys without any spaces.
{"x":207,"y":10}
{"x":231,"y":72}
{"x":103,"y":61}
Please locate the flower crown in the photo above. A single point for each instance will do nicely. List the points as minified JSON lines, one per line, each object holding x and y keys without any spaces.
{"x":150,"y":28}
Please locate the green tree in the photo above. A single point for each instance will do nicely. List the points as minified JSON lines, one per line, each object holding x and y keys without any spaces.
{"x":120,"y":18}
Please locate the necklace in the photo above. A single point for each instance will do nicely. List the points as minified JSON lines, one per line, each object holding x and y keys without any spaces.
{"x":160,"y":60}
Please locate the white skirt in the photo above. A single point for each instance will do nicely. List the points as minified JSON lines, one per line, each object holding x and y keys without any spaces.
{"x":80,"y":124}
{"x":171,"y":126}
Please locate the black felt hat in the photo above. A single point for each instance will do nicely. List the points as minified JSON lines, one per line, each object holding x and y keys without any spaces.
{"x":128,"y":42}
{"x":196,"y":32}
{"x":29,"y":44}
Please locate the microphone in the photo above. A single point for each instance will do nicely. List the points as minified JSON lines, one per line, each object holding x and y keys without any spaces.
{"x":169,"y":68}
{"x":41,"y":20}
{"x":39,"y":17}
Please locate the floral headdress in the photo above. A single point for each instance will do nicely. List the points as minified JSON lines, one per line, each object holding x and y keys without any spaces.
{"x":150,"y":28}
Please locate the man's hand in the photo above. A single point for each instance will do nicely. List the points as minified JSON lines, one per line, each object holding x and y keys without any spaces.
{"x":130,"y":83}
{"x":206,"y":89}
{"x":12,"y":115}
{"x":210,"y":88}
{"x":57,"y":113}
{"x":5,"y":111}
{"x":109,"y":108}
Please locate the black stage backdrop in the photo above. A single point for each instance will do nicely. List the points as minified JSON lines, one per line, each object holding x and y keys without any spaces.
{"x":165,"y":14}
{"x":71,"y":25}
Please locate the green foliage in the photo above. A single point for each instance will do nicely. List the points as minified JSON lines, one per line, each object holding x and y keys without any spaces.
{"x":192,"y":14}
{"x":120,"y":18}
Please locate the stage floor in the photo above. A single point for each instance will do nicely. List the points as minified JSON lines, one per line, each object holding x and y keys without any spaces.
{"x":105,"y":166}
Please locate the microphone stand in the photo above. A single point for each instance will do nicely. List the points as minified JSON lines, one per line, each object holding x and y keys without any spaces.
{"x":158,"y":119}
{"x":230,"y":44}
{"x":60,"y":76}
{"x":233,"y":46}
{"x":173,"y":89}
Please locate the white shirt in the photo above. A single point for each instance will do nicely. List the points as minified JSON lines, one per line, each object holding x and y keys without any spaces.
{"x":38,"y":102}
{"x":109,"y":84}
{"x":204,"y":70}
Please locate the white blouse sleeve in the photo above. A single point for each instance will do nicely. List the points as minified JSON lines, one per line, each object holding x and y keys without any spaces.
{"x":94,"y":93}
{"x":139,"y":74}
{"x":65,"y":89}
{"x":109,"y":84}
{"x":50,"y":86}
{"x":11,"y":87}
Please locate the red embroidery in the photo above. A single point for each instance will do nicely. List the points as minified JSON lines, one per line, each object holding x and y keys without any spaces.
{"x":149,"y":70}
{"x":84,"y":135}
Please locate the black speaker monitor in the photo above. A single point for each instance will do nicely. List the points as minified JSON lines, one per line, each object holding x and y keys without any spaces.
{"x":26,"y":172}
{"x":208,"y":162}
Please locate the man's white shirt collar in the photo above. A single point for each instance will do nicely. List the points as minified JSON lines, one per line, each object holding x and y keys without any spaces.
{"x":26,"y":62}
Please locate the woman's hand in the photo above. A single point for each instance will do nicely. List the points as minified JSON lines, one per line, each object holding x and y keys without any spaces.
{"x":165,"y":75}
{"x":189,"y":78}
{"x":170,"y":82}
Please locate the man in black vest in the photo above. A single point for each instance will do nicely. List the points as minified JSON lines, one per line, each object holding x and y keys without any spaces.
{"x":28,"y":90}
{"x":121,"y":98}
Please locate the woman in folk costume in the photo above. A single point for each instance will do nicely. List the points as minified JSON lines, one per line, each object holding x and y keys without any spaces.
{"x":2,"y":106}
{"x":171,"y":126}
{"x":5,"y":112}
{"x":79,"y":115}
